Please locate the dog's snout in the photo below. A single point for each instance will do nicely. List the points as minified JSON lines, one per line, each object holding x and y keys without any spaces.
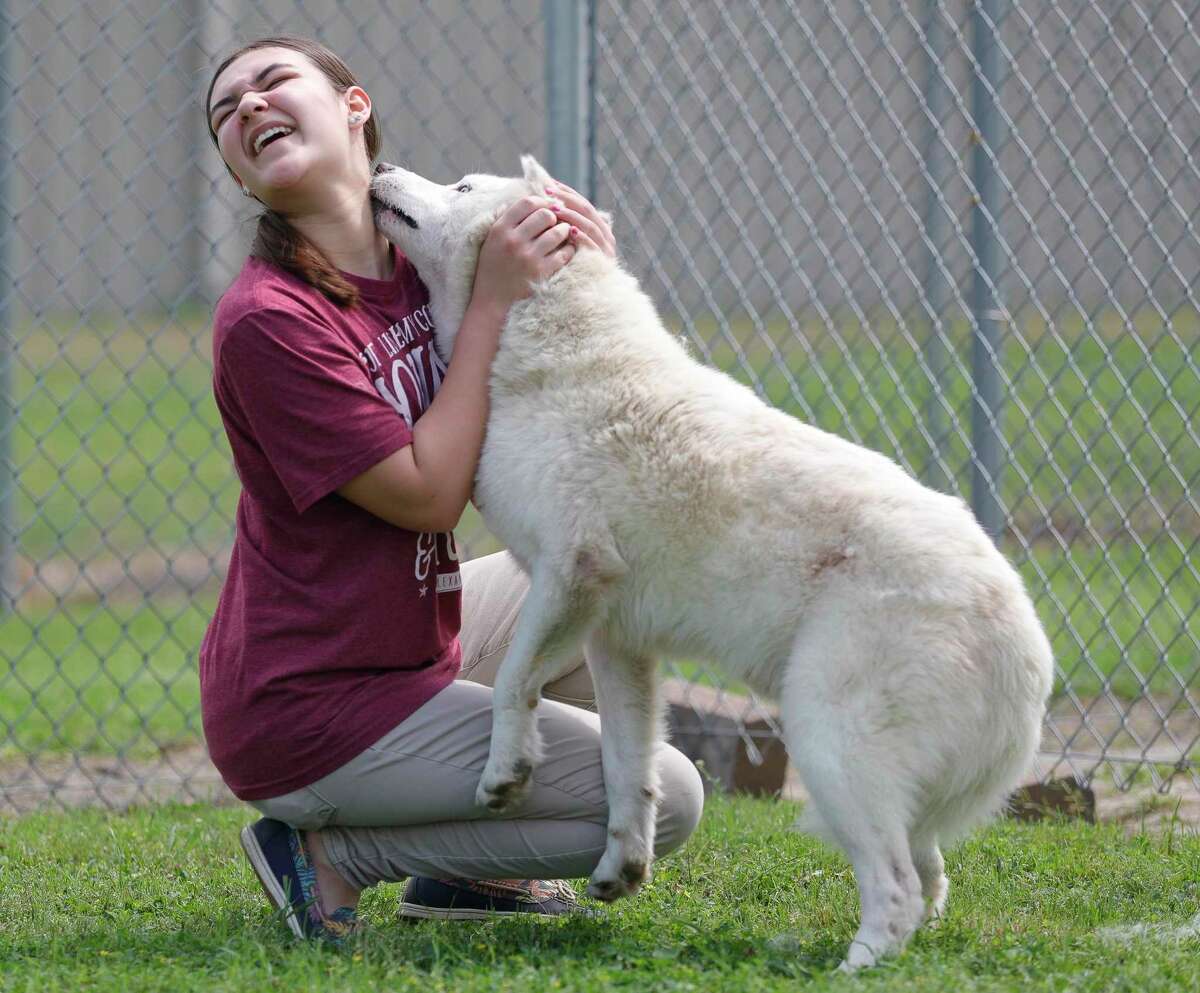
{"x":383,"y":167}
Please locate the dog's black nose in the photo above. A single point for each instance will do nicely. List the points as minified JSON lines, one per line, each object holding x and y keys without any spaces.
{"x":385,"y":167}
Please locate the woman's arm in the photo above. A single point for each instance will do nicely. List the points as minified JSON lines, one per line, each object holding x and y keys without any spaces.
{"x":425,"y":486}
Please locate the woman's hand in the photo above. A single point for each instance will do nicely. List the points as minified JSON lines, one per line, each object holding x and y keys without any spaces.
{"x":593,"y":227}
{"x":526,"y":243}
{"x":535,"y":238}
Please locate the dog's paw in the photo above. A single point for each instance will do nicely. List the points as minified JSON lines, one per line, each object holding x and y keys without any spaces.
{"x":858,"y":956}
{"x":501,"y":791}
{"x":621,"y":872}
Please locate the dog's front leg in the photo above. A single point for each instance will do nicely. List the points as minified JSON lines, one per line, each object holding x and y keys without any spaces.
{"x":627,"y":699}
{"x":549,"y":631}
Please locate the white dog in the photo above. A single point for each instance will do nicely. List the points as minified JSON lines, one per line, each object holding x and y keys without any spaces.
{"x":661,"y":508}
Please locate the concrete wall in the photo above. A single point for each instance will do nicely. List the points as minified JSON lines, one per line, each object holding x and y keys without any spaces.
{"x":767,"y":161}
{"x":118,"y":200}
{"x":759,"y":156}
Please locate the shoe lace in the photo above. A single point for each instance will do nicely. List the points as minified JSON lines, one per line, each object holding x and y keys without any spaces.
{"x":530,"y":890}
{"x":342,"y":923}
{"x":564,"y":891}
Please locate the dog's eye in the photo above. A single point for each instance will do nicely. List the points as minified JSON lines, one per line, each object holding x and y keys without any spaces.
{"x":463,"y":188}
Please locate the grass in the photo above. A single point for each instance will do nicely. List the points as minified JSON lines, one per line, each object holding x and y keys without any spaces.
{"x":162,"y":899}
{"x":118,"y":447}
{"x":118,"y":443}
{"x":1097,"y":417}
{"x":97,"y":678}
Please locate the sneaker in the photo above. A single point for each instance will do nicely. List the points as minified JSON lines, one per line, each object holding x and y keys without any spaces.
{"x":481,"y":899}
{"x":289,"y":879}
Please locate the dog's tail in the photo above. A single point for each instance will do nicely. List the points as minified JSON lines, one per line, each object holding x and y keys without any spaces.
{"x":996,"y":749}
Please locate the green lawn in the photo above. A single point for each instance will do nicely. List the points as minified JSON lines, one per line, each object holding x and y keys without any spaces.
{"x":1101,"y":421}
{"x":118,"y":442}
{"x":102,"y":679}
{"x":162,"y":899}
{"x":118,"y":447}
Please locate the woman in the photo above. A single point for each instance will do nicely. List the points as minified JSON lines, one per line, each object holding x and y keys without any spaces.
{"x":345,"y":674}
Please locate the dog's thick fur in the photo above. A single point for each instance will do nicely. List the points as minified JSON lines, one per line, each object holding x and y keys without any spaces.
{"x":662,"y":509}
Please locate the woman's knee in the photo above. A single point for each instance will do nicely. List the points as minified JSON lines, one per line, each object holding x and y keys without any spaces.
{"x":681,"y":799}
{"x":304,"y":808}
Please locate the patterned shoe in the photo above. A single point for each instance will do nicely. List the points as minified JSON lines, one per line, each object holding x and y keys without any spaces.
{"x":481,"y":899}
{"x":289,"y":879}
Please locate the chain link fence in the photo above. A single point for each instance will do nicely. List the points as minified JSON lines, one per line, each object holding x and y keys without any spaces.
{"x":960,"y":233}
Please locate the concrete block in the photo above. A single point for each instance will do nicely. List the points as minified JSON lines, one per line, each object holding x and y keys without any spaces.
{"x":712,"y":727}
{"x":1037,"y":801}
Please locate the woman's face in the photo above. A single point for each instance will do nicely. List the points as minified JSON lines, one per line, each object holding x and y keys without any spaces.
{"x":270,"y":88}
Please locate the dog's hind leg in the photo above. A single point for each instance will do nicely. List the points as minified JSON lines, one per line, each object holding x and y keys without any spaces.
{"x":560,"y":607}
{"x":849,"y":749}
{"x":627,"y":699}
{"x":927,"y":859}
{"x":860,"y":814}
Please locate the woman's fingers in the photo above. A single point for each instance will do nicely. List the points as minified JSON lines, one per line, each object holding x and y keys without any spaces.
{"x":581,"y":212}
{"x":526,"y":219}
{"x":557,"y":259}
{"x":561,"y":188}
{"x":561,"y":235}
{"x":536,"y":223}
{"x":512,"y":257}
{"x":547,"y":231}
{"x":590,"y":229}
{"x":532,"y":218}
{"x":581,"y":239}
{"x":552,"y":239}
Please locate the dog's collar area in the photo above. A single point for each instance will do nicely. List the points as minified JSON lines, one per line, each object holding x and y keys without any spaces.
{"x":406,"y":218}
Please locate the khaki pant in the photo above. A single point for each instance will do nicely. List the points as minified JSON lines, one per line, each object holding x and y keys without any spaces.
{"x":406,"y":806}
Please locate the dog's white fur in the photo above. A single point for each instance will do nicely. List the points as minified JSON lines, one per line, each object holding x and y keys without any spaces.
{"x":662,"y":509}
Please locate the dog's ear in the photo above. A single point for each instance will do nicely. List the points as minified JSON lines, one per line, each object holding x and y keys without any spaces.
{"x":535,"y":174}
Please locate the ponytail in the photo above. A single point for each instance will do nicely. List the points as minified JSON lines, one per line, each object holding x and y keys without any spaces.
{"x":281,"y":244}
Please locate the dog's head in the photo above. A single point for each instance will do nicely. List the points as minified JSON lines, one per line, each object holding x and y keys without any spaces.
{"x":441,"y":229}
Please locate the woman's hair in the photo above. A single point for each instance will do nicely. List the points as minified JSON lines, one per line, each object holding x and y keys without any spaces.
{"x":276,"y":240}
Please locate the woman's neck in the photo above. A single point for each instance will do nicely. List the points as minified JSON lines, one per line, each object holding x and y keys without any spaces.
{"x":342,"y":226}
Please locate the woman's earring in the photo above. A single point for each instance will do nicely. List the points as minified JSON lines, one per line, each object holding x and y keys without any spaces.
{"x":355,"y":118}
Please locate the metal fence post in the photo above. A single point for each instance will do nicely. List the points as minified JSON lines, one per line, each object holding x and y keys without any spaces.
{"x":986,"y":312}
{"x":569,"y":26}
{"x":8,"y":531}
{"x":936,"y":168}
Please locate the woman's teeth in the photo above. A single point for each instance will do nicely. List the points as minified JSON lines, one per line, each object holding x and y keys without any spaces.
{"x":267,"y":135}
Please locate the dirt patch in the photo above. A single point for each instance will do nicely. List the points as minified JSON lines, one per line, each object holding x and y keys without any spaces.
{"x":140,"y":576}
{"x":1157,"y":732}
{"x":1160,"y":730}
{"x":182,"y":775}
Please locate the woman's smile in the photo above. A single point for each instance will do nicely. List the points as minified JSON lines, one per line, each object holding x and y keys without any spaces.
{"x":271,"y":135}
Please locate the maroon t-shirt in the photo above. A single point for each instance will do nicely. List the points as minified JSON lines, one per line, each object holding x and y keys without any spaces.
{"x":333,"y":625}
